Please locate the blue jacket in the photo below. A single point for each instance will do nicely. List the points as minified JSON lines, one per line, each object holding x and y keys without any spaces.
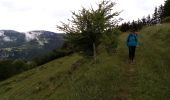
{"x":132,"y":39}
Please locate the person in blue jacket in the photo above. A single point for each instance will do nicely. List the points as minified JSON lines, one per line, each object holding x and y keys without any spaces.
{"x":132,"y":42}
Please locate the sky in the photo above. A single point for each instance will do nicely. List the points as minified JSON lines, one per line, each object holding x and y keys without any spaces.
{"x":28,"y":15}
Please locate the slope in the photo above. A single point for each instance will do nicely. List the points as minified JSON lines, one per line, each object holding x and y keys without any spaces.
{"x":110,"y":78}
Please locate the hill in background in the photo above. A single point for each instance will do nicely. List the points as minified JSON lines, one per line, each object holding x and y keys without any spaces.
{"x":17,"y":45}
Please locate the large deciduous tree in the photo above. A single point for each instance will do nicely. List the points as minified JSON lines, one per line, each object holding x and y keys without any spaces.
{"x":88,"y":26}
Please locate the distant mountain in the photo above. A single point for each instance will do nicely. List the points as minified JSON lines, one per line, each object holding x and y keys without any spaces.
{"x":27,"y":45}
{"x":10,"y":38}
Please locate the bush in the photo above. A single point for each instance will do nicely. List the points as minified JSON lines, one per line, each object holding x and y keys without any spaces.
{"x":10,"y":68}
{"x":110,"y":40}
{"x":166,"y":20}
{"x":51,"y":56}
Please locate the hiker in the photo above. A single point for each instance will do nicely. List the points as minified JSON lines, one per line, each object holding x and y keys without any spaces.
{"x":132,"y":42}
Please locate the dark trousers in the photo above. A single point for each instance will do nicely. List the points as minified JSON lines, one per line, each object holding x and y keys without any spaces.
{"x":132,"y":52}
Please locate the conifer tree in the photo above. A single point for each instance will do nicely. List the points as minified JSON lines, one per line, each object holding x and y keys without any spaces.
{"x":148,"y":20}
{"x":155,"y":18}
{"x":166,"y":9}
{"x":144,"y":21}
{"x":160,"y":12}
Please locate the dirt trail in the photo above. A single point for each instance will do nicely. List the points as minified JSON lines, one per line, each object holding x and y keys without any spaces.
{"x":128,"y":71}
{"x":129,"y":74}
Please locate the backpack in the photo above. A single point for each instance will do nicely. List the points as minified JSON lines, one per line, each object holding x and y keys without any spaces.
{"x":134,"y":35}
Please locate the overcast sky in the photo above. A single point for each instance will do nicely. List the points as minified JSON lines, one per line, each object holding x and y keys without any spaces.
{"x":27,"y":15}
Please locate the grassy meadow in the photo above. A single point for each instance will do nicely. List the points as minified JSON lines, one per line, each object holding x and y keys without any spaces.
{"x":110,"y":78}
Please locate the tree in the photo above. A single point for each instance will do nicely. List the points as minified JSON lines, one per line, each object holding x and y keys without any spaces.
{"x":144,"y":21}
{"x":124,"y":27}
{"x":110,"y":40}
{"x":166,"y":9}
{"x":155,"y":18}
{"x":160,"y":13}
{"x":148,"y":20}
{"x":88,"y":26}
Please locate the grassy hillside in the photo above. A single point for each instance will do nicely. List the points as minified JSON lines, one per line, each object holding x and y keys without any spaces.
{"x":111,"y":78}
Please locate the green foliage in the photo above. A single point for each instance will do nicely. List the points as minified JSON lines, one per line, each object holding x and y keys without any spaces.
{"x":136,"y":25}
{"x":87,"y":27}
{"x":10,"y":68}
{"x":19,"y":64}
{"x":110,"y":40}
{"x":55,"y":54}
{"x":4,"y":69}
{"x":166,"y":9}
{"x":166,"y":20}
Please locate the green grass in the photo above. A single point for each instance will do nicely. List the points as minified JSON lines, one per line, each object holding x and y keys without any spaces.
{"x":110,"y":78}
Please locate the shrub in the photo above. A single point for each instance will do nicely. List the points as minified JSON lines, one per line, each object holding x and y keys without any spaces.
{"x":166,"y":20}
{"x":110,"y":40}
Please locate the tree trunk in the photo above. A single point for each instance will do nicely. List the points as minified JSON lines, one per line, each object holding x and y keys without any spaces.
{"x":94,"y":52}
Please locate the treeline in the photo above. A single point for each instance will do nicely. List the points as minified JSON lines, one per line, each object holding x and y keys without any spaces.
{"x":64,"y":51}
{"x":10,"y":68}
{"x":161,"y":15}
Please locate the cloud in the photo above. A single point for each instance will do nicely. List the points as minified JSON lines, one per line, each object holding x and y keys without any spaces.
{"x":134,"y":9}
{"x":26,"y":15}
{"x":12,"y":6}
{"x":7,"y":39}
